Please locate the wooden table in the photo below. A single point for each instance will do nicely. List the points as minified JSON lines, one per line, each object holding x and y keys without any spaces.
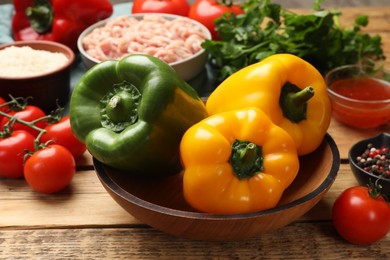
{"x":83,"y":222}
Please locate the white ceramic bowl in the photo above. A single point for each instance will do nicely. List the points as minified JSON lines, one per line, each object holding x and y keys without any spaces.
{"x":187,"y":68}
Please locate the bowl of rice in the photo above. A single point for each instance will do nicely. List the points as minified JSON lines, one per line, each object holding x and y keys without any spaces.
{"x":38,"y":70}
{"x":174,"y":39}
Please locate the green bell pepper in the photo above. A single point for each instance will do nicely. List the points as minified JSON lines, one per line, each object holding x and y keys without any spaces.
{"x":132,"y":114}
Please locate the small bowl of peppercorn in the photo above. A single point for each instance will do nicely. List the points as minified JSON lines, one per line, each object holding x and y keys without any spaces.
{"x":369,"y":160}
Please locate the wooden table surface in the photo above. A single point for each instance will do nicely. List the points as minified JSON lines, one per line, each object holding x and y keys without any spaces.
{"x":83,"y":222}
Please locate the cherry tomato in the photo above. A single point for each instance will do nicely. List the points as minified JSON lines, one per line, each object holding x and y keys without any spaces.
{"x":29,"y":114}
{"x":361,"y":216}
{"x":3,"y":108}
{"x":12,"y":153}
{"x":61,"y":133}
{"x":206,"y":11}
{"x":178,"y":7}
{"x":50,"y":169}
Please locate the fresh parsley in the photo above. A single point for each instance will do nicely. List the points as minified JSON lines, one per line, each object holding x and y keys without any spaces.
{"x":266,"y":29}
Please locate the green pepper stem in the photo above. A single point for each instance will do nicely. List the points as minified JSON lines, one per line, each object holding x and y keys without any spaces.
{"x":293,"y":101}
{"x":40,"y":16}
{"x":113,"y":103}
{"x":246,"y":159}
{"x":120,"y":107}
{"x":302,"y":97}
{"x":248,"y":153}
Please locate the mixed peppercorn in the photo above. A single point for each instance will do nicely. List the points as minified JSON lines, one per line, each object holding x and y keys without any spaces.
{"x":375,"y":160}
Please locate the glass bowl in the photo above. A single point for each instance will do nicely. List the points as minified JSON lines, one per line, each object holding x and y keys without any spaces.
{"x":360,"y":97}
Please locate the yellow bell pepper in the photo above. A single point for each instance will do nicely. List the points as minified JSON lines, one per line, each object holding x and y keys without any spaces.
{"x":236,"y":162}
{"x":288,"y":89}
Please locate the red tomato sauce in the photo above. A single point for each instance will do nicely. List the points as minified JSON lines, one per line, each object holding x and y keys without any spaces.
{"x":362,"y":88}
{"x":360,"y":114}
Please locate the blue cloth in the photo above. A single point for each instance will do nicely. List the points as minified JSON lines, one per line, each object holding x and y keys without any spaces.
{"x":6,"y":12}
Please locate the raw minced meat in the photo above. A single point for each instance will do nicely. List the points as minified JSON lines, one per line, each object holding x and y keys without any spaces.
{"x":168,"y":40}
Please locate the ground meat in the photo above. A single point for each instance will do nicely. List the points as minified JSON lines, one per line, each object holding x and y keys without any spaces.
{"x":168,"y":40}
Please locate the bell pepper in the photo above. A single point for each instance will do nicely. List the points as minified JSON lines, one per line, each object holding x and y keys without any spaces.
{"x":288,"y":89}
{"x":57,"y":20}
{"x":236,"y":162}
{"x":132,"y":113}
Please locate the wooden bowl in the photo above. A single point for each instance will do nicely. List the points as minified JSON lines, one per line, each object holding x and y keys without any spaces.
{"x":46,"y":89}
{"x":160,"y":202}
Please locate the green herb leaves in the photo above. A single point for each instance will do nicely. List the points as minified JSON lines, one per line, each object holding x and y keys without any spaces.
{"x":266,"y":28}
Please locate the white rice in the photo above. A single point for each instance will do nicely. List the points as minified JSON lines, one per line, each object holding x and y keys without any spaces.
{"x":27,"y":62}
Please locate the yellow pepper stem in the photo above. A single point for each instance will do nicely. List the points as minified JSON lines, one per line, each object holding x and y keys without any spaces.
{"x":246,"y":159}
{"x":293,"y":101}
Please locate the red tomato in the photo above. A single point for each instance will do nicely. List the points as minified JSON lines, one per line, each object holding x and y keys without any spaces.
{"x":179,"y":7}
{"x":12,"y":153}
{"x":61,"y":133}
{"x":359,"y":217}
{"x":50,"y":169}
{"x":3,"y":108}
{"x":206,"y":11}
{"x":29,"y":114}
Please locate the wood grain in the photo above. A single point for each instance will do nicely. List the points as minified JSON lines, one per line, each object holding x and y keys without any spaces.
{"x":86,"y":204}
{"x":345,"y":136}
{"x":316,"y":240}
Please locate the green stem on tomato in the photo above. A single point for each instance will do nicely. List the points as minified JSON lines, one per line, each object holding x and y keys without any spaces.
{"x":16,"y":104}
{"x":47,"y":117}
{"x":293,"y":101}
{"x":31,"y":125}
{"x":374,"y":189}
{"x":54,"y":117}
